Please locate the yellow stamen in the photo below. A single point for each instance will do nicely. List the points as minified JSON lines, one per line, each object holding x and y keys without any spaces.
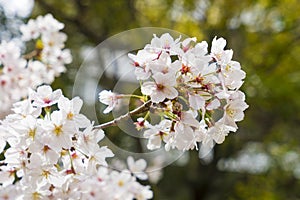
{"x":57,"y":130}
{"x":70,"y":116}
{"x":121,"y":183}
{"x":32,"y":132}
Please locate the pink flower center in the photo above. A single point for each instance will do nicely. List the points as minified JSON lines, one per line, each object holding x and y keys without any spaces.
{"x":3,"y":82}
{"x":47,"y":101}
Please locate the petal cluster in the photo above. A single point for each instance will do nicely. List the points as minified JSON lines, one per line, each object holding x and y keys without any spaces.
{"x":197,"y":91}
{"x":40,"y":65}
{"x":51,"y":152}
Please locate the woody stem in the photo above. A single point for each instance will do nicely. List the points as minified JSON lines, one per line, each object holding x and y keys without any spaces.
{"x":141,"y":109}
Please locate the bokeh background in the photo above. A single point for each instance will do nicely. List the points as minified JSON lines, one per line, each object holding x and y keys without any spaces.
{"x":261,"y":160}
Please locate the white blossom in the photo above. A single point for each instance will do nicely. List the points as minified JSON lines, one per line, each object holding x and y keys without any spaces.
{"x":165,"y":43}
{"x":45,"y":96}
{"x":108,"y":98}
{"x":156,"y":134}
{"x":137,"y":167}
{"x":40,"y":66}
{"x":197,"y":90}
{"x":56,"y":150}
{"x":141,"y":63}
{"x":161,"y":88}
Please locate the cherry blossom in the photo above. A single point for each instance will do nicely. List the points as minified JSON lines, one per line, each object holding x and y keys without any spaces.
{"x":44,"y":96}
{"x":187,"y":84}
{"x":108,"y":98}
{"x":54,"y":147}
{"x":137,"y":167}
{"x":156,"y":134}
{"x":70,"y":110}
{"x":140,"y":62}
{"x":161,"y":88}
{"x":47,"y":142}
{"x":165,"y":43}
{"x":38,"y":66}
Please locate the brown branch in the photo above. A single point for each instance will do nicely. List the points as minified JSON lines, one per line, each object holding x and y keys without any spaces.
{"x":143,"y":108}
{"x":31,"y":54}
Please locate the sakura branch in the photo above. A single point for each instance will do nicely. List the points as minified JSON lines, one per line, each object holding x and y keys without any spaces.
{"x":48,"y":143}
{"x":195,"y":91}
{"x":139,"y":110}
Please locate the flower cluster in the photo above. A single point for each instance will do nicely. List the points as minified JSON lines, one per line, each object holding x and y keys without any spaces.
{"x":50,"y":43}
{"x":195,"y":91}
{"x":51,"y":151}
{"x":42,"y":65}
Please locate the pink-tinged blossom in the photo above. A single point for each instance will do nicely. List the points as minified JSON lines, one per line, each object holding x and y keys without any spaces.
{"x":48,"y":154}
{"x":10,"y":56}
{"x":187,"y":44}
{"x":161,"y":88}
{"x":20,"y":72}
{"x":113,"y":185}
{"x":141,"y":123}
{"x":16,"y":158}
{"x":28,"y":128}
{"x":57,"y":151}
{"x":35,"y":191}
{"x":165,"y":43}
{"x":45,"y":96}
{"x":187,"y":118}
{"x":164,"y":65}
{"x":186,"y":76}
{"x":97,"y":155}
{"x":200,"y":50}
{"x":30,"y":30}
{"x":2,"y":139}
{"x":142,"y":192}
{"x":47,"y":24}
{"x":54,"y":40}
{"x":122,"y":182}
{"x":45,"y":173}
{"x":89,"y":137}
{"x":184,"y":138}
{"x":141,"y":63}
{"x":42,"y":25}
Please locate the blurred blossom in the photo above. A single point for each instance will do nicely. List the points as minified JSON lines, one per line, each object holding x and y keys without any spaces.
{"x":17,"y":8}
{"x":250,"y":160}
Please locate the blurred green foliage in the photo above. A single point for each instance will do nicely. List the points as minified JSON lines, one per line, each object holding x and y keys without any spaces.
{"x":265,"y":37}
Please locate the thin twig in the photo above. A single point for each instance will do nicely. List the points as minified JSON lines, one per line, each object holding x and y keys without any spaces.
{"x":143,"y":108}
{"x":31,"y":54}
